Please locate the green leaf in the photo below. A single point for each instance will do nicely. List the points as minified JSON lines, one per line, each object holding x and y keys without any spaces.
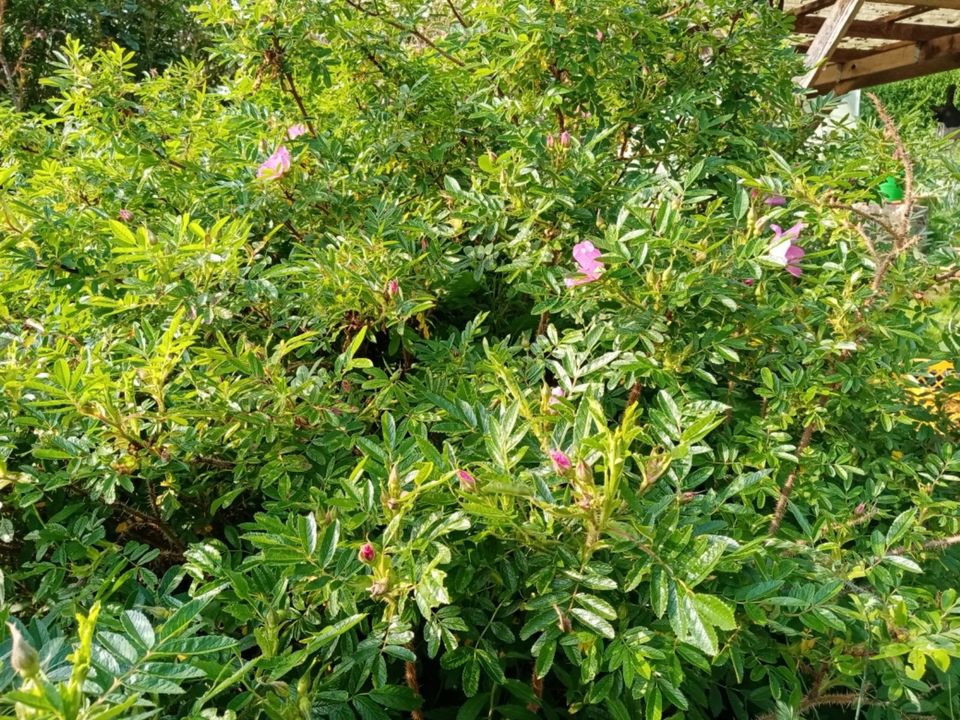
{"x":395,"y":697}
{"x":654,"y":704}
{"x":900,"y":526}
{"x":545,"y":658}
{"x":328,"y":544}
{"x":194,"y":645}
{"x":332,"y":632}
{"x":716,"y":612}
{"x":471,"y":677}
{"x":698,"y":633}
{"x":593,"y":621}
{"x":596,"y":605}
{"x":902,"y":562}
{"x":185,"y":615}
{"x":138,"y":628}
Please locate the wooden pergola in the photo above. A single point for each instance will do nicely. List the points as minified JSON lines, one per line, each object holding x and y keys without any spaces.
{"x":852,"y":44}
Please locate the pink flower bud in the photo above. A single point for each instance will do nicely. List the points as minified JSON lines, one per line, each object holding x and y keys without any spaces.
{"x":125,"y":215}
{"x":561,"y":462}
{"x":860,"y":509}
{"x":564,"y":139}
{"x":748,"y":282}
{"x":550,"y":141}
{"x":467,"y":481}
{"x":599,"y":35}
{"x":393,"y":287}
{"x":367,"y":554}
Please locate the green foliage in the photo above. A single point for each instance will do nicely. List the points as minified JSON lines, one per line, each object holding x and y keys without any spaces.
{"x":340,"y":441}
{"x":32,"y":31}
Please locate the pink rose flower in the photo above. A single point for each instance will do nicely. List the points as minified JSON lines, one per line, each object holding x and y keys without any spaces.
{"x":125,"y":215}
{"x":295,"y":131}
{"x":783,"y":250}
{"x":276,"y":165}
{"x":586,"y":256}
{"x":367,"y":554}
{"x":561,"y":462}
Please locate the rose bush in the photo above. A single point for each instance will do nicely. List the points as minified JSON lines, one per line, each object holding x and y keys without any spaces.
{"x":449,"y":360}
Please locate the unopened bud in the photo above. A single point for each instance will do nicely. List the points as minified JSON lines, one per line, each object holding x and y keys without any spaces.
{"x":467,"y":481}
{"x":23,"y":658}
{"x":564,"y":139}
{"x":367,"y":554}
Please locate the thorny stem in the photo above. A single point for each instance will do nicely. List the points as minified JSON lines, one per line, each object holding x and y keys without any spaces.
{"x":787,"y":488}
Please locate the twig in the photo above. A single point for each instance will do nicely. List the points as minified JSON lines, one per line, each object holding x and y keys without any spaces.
{"x":403,"y":28}
{"x":941,"y":544}
{"x":285,"y":74}
{"x":787,"y":488}
{"x":460,"y":18}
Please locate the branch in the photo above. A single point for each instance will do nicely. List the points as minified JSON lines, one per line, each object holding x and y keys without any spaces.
{"x":787,"y":488}
{"x":460,"y":18}
{"x":403,"y":28}
{"x":291,"y":86}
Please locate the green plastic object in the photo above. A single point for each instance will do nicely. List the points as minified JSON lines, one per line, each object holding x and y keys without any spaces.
{"x":890,"y":190}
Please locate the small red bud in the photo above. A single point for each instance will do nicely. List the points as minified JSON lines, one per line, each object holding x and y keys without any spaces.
{"x":367,"y":554}
{"x":467,"y":481}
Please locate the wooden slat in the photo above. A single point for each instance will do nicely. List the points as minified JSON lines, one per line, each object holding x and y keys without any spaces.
{"x":810,"y":7}
{"x":828,"y":37}
{"x":889,"y":65}
{"x":913,"y":32}
{"x":905,"y":14}
{"x":934,"y":4}
{"x":841,"y":54}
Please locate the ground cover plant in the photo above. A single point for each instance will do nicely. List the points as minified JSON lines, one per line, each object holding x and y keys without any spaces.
{"x":469,"y":360}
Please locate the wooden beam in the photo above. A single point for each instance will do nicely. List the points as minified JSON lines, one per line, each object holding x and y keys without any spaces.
{"x":905,"y":14}
{"x":828,"y":37}
{"x":841,"y":54}
{"x":913,"y":32}
{"x":889,"y":65}
{"x":932,"y":4}
{"x":810,"y":7}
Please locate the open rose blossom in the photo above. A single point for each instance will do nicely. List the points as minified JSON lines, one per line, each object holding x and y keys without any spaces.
{"x":276,"y":165}
{"x":295,"y":131}
{"x":586,"y":256}
{"x":561,"y":462}
{"x":784,"y":251}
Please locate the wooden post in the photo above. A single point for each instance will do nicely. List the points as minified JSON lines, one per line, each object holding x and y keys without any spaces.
{"x":828,"y":37}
